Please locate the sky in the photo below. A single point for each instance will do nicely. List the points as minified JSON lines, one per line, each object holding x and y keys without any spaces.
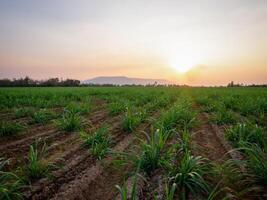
{"x":207,"y":42}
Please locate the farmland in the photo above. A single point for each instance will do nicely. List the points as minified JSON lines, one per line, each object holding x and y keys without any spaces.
{"x":133,"y":143}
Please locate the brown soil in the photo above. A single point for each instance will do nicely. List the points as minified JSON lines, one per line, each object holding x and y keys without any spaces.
{"x":17,"y":151}
{"x":82,"y":176}
{"x":207,"y":142}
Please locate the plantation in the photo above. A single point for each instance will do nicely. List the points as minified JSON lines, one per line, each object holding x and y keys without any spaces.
{"x":133,"y":143}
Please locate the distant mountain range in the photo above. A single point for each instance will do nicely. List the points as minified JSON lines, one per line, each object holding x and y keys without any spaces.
{"x":123,"y":80}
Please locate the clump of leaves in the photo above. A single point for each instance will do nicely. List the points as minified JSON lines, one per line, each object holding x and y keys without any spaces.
{"x":233,"y":182}
{"x":170,"y":191}
{"x":98,"y":142}
{"x":43,"y":116}
{"x":180,"y":116}
{"x":150,"y":158}
{"x":223,"y":116}
{"x":10,"y":128}
{"x":115,"y":108}
{"x":37,"y":167}
{"x":189,"y":176}
{"x":243,"y":133}
{"x":10,"y":183}
{"x":257,"y":161}
{"x":131,"y":120}
{"x":81,"y":108}
{"x":124,"y":191}
{"x":23,"y":112}
{"x":153,"y":153}
{"x":70,"y":121}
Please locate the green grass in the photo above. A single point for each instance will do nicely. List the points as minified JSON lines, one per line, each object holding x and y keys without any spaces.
{"x":167,"y":148}
{"x":10,"y":184}
{"x":180,"y":116}
{"x":23,"y":112}
{"x":10,"y":128}
{"x":256,"y":162}
{"x":98,"y":142}
{"x":170,"y":191}
{"x":70,"y":121}
{"x":115,"y":108}
{"x":131,"y":119}
{"x":43,"y":116}
{"x":79,"y":108}
{"x":189,"y":176}
{"x":243,"y":133}
{"x":36,"y":167}
{"x":152,"y":155}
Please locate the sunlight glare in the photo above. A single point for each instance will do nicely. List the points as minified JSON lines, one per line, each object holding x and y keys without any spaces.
{"x":182,"y":64}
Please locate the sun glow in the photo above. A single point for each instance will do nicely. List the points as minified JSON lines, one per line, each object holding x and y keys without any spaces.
{"x":182,"y":64}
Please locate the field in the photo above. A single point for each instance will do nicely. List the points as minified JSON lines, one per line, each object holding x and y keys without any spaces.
{"x":133,"y":143}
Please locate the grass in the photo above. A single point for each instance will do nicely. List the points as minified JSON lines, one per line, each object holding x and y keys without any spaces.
{"x":23,"y":112}
{"x":151,"y":156}
{"x":43,"y":116}
{"x":223,"y":116}
{"x":36,"y":167}
{"x":125,"y":194}
{"x":170,"y":191}
{"x":243,"y":133}
{"x":115,"y":108}
{"x":80,"y":108}
{"x":233,"y":180}
{"x":10,"y":184}
{"x":131,"y":120}
{"x":256,"y":162}
{"x":10,"y":128}
{"x":180,"y":116}
{"x":70,"y":121}
{"x":98,"y":142}
{"x":189,"y":176}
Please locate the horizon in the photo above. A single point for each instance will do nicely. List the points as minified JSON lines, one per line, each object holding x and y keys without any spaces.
{"x":209,"y":44}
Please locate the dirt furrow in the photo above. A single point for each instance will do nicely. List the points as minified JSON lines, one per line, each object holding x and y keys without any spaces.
{"x":54,"y":138}
{"x":206,"y":141}
{"x":85,"y":185}
{"x":103,"y":184}
{"x":76,"y":160}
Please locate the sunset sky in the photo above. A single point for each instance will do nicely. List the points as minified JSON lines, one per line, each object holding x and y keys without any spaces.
{"x":200,"y":42}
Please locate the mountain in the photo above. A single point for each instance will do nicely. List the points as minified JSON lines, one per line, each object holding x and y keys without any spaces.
{"x":123,"y":80}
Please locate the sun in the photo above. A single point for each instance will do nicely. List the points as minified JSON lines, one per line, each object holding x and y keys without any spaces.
{"x":182,"y":64}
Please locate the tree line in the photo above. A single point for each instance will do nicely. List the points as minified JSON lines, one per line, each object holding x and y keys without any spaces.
{"x":28,"y":82}
{"x":233,"y":84}
{"x":56,"y":82}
